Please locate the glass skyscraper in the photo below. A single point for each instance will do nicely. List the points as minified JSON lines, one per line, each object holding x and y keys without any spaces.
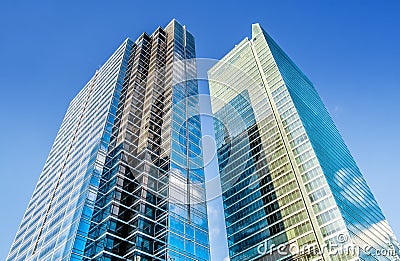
{"x":118,"y":182}
{"x":289,"y":182}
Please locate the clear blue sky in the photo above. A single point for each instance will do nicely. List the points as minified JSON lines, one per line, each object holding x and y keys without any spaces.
{"x":48,"y":50}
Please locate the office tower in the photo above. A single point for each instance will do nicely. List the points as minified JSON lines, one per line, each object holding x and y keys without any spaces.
{"x":288,"y":180}
{"x":115,"y":185}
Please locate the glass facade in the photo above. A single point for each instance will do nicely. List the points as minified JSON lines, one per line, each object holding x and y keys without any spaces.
{"x":124,"y":178}
{"x":288,"y":179}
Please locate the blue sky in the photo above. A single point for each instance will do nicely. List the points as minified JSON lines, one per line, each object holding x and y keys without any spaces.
{"x":48,"y":51}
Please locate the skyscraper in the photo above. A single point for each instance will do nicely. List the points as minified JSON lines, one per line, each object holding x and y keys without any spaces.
{"x":291,"y":188}
{"x":115,"y":185}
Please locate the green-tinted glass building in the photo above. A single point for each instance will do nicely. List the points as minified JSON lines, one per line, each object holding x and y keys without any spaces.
{"x":289,"y":182}
{"x":115,"y":185}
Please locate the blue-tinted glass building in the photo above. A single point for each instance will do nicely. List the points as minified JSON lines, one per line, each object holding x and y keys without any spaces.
{"x":291,"y":189}
{"x":124,"y":179}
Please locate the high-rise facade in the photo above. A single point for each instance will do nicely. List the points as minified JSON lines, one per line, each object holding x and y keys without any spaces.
{"x":117,"y":184}
{"x":291,"y":189}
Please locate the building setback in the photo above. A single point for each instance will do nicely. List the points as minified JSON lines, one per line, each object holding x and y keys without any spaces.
{"x":115,"y":185}
{"x":124,"y":179}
